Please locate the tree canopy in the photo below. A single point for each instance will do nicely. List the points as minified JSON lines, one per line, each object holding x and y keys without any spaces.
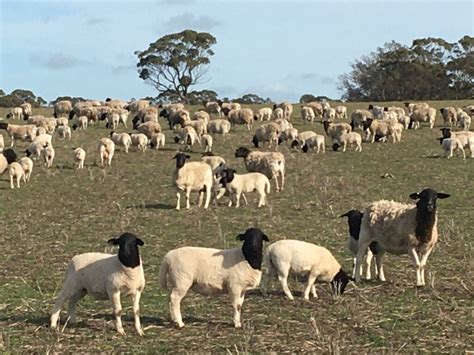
{"x":20,"y":96}
{"x":175,"y":62}
{"x":430,"y":69}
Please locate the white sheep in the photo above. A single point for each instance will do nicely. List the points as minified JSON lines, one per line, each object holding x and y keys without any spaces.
{"x":464,"y":121}
{"x":202,"y":115}
{"x":207,"y":141}
{"x":401,"y":229}
{"x":269,"y":132}
{"x":62,"y":121}
{"x":465,"y":137}
{"x":187,"y":135}
{"x":16,"y":173}
{"x":315,"y":141}
{"x":307,"y":114}
{"x":395,"y":131}
{"x":450,"y":145}
{"x":219,"y":126}
{"x":301,"y":138}
{"x":377,"y":111}
{"x":149,"y":129}
{"x":240,"y":117}
{"x":335,"y":130}
{"x":83,"y":121}
{"x":358,"y":117}
{"x":157,"y":140}
{"x":213,"y":107}
{"x":270,"y":164}
{"x":287,"y":109}
{"x":216,"y":162}
{"x":423,"y":115}
{"x":47,"y":154}
{"x":62,"y":108}
{"x":64,"y":132}
{"x":15,"y":113}
{"x":27,"y":165}
{"x":79,"y":158}
{"x":329,"y":114}
{"x":278,"y":113}
{"x":289,"y":134}
{"x":302,"y":258}
{"x":105,"y":276}
{"x":38,"y":144}
{"x":450,"y":116}
{"x":213,"y":271}
{"x":17,"y":132}
{"x":106,"y":151}
{"x":264,"y":114}
{"x":341,"y":112}
{"x":140,"y":140}
{"x":122,"y":139}
{"x":352,"y":138}
{"x":192,"y":176}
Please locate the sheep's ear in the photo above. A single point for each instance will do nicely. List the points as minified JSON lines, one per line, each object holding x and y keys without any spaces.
{"x":113,"y":241}
{"x":442,"y":195}
{"x":414,"y":196}
{"x":265,"y":238}
{"x":345,"y":214}
{"x":241,"y":237}
{"x":188,"y":157}
{"x":140,"y":242}
{"x":234,"y":171}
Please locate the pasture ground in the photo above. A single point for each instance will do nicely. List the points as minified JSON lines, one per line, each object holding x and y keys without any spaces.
{"x":62,"y":212}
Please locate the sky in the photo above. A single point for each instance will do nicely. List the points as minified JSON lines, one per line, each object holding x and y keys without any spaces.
{"x":276,"y":49}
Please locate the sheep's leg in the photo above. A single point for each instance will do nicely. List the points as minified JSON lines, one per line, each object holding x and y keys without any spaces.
{"x":117,"y":312}
{"x":136,"y":312}
{"x":208,"y":196}
{"x":416,"y":263}
{"x":368,"y":261}
{"x":309,"y":287}
{"x":245,"y":199}
{"x":12,"y":185}
{"x":379,"y":262}
{"x":201,"y":197}
{"x":66,"y":293}
{"x":353,"y":267}
{"x":237,"y":301}
{"x":313,"y":291}
{"x":71,"y":313}
{"x":178,"y":200}
{"x":261,"y":202}
{"x":271,"y":272}
{"x":12,"y":142}
{"x":344,"y":146}
{"x":363,"y":247}
{"x":424,"y":259}
{"x":282,"y":277}
{"x":275,"y":177}
{"x":175,"y":309}
{"x":237,"y":199}
{"x":188,"y":193}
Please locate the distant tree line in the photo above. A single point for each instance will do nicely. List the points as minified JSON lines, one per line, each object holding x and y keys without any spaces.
{"x":20,"y":96}
{"x":430,"y":69}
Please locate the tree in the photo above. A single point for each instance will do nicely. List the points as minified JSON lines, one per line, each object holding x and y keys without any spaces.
{"x":199,"y":97}
{"x":250,"y":99}
{"x":20,"y":96}
{"x":2,"y":93}
{"x":73,"y":100}
{"x":310,"y":98}
{"x":175,"y":62}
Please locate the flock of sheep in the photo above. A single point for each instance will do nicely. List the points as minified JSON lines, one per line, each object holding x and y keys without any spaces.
{"x":382,"y":227}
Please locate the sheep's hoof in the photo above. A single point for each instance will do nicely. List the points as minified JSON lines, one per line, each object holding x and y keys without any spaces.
{"x":238,"y":325}
{"x":140,"y":332}
{"x":121,"y":331}
{"x":180,"y":326}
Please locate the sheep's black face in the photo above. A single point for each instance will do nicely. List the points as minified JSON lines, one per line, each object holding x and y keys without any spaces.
{"x":255,"y":141}
{"x":253,"y":246}
{"x":10,"y":155}
{"x":9,"y":115}
{"x":241,"y":152}
{"x":181,"y":159}
{"x":176,"y":139}
{"x":305,"y":148}
{"x":135,"y":122}
{"x":441,"y":110}
{"x":71,"y":114}
{"x":371,"y":107}
{"x":427,"y":199}
{"x":446,"y":132}
{"x":326,"y":126}
{"x":335,"y":147}
{"x":354,"y":219}
{"x":295,"y":144}
{"x":339,"y":282}
{"x":164,"y":113}
{"x":128,"y":249}
{"x":225,"y":111}
{"x":74,"y":126}
{"x":255,"y":117}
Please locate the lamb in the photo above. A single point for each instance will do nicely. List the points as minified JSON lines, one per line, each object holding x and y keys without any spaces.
{"x":219,"y":126}
{"x":419,"y":106}
{"x":278,"y":113}
{"x":329,"y":114}
{"x":82,"y":122}
{"x":212,"y":271}
{"x":465,"y":137}
{"x":303,"y":258}
{"x":348,"y":138}
{"x":200,"y":126}
{"x":193,"y":176}
{"x":335,"y":130}
{"x":216,"y":162}
{"x":27,"y":165}
{"x":450,"y":116}
{"x":375,"y":128}
{"x":301,"y":138}
{"x":307,"y":114}
{"x":358,"y":117}
{"x":268,"y":132}
{"x":422,"y":115}
{"x":38,"y":144}
{"x":106,"y":151}
{"x":401,"y":229}
{"x":395,"y":131}
{"x":79,"y":158}
{"x":341,"y":112}
{"x":7,"y":157}
{"x":187,"y":135}
{"x":122,"y":139}
{"x":240,"y":117}
{"x":16,"y":173}
{"x":201,"y":115}
{"x":270,"y":164}
{"x":213,"y":107}
{"x":47,"y":154}
{"x":62,"y":108}
{"x":62,"y":121}
{"x":315,"y":141}
{"x":149,"y":129}
{"x":16,"y":132}
{"x":450,"y":145}
{"x":207,"y":141}
{"x":236,"y":184}
{"x":289,"y":134}
{"x":140,"y":140}
{"x":263,"y":114}
{"x":464,"y":121}
{"x":354,"y":219}
{"x":316,"y":107}
{"x":287,"y":109}
{"x":105,"y":276}
{"x":157,"y":140}
{"x":64,"y":132}
{"x":16,"y":113}
{"x":113,"y":120}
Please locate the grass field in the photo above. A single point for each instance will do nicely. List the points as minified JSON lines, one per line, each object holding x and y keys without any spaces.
{"x":62,"y":212}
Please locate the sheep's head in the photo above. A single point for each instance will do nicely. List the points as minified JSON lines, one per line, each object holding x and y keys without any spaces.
{"x":339,"y":282}
{"x":10,"y":155}
{"x":227,"y":176}
{"x":371,"y":107}
{"x":181,"y":159}
{"x":427,"y":199}
{"x":295,"y":144}
{"x":336,"y":146}
{"x":255,"y":141}
{"x":441,"y":110}
{"x":74,"y":126}
{"x":164,"y":113}
{"x":253,"y":246}
{"x":128,"y":249}
{"x":446,"y":132}
{"x":226,"y":111}
{"x":305,"y":148}
{"x":242,"y":152}
{"x":354,"y":219}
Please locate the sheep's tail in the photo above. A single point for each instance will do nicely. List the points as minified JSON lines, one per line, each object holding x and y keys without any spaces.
{"x":164,"y":269}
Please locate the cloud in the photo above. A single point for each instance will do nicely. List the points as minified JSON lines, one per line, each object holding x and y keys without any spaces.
{"x":56,"y":61}
{"x":190,"y":21}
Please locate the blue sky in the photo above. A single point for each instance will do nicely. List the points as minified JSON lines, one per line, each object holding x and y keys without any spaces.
{"x":276,"y":49}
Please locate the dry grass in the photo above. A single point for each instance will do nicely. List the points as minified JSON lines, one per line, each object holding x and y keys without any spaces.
{"x":62,"y":212}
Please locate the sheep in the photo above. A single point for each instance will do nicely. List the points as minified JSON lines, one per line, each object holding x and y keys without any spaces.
{"x":213,"y":107}
{"x":422,"y":115}
{"x":2,"y":143}
{"x":307,"y":114}
{"x":16,"y":132}
{"x":40,"y":131}
{"x":464,"y":121}
{"x":348,"y":138}
{"x":375,"y":128}
{"x":147,"y":114}
{"x":106,"y":151}
{"x":395,"y":131}
{"x":302,"y":258}
{"x":465,"y":137}
{"x":175,"y":117}
{"x":38,"y":144}
{"x":200,"y":126}
{"x":270,"y":164}
{"x":301,"y":138}
{"x":325,"y":105}
{"x":450,"y":145}
{"x":140,"y":141}
{"x":287,"y":109}
{"x":27,"y":165}
{"x":341,"y":112}
{"x":450,"y":116}
{"x":401,"y":229}
{"x":329,"y":114}
{"x":419,"y":106}
{"x":16,"y":113}
{"x":207,"y":141}
{"x":404,"y":120}
{"x":113,"y":120}
{"x":135,"y":106}
{"x":122,"y":139}
{"x":26,"y":107}
{"x":399,"y":111}
{"x":192,"y":176}
{"x":317,"y":141}
{"x":82,"y":122}
{"x":62,"y":108}
{"x":229,"y":106}
{"x":158,"y":140}
{"x":213,"y":271}
{"x":64,"y":132}
{"x":47,"y":154}
{"x":201,"y":115}
{"x":187,"y":135}
{"x":469,"y":109}
{"x":278,"y":113}
{"x":335,"y":130}
{"x":48,"y":123}
{"x":62,"y":121}
{"x":84,"y":109}
{"x":7,"y":157}
{"x":316,"y":107}
{"x":268,"y":132}
{"x":16,"y":173}
{"x":105,"y":276}
{"x":263,"y":114}
{"x":289,"y":134}
{"x":358,"y":117}
{"x":354,"y":219}
{"x":240,"y":117}
{"x":219,"y":126}
{"x":377,"y":111}
{"x":149,"y":129}
{"x":216,"y":162}
{"x":236,"y":184}
{"x":79,"y":158}
{"x":283,"y":123}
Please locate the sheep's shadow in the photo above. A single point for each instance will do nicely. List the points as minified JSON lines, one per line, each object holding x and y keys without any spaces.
{"x":25,"y":319}
{"x":153,"y":206}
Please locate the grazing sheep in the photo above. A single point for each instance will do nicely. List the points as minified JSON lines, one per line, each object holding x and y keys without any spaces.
{"x":140,"y":141}
{"x":229,"y":106}
{"x":62,"y":108}
{"x":270,"y":164}
{"x":16,"y":132}
{"x":200,"y":126}
{"x":64,"y":132}
{"x":113,"y":120}
{"x":48,"y":123}
{"x":335,"y":130}
{"x":37,"y":145}
{"x":401,"y":229}
{"x":464,"y":121}
{"x":192,"y":176}
{"x":377,"y":111}
{"x":26,"y":107}
{"x":289,"y":134}
{"x":16,"y":173}
{"x":329,"y":115}
{"x":187,"y":135}
{"x":16,"y":113}
{"x":287,"y":109}
{"x":213,"y":271}
{"x":40,"y":131}
{"x":79,"y":158}
{"x":315,"y":141}
{"x":27,"y":165}
{"x":316,"y":107}
{"x":149,"y":129}
{"x":105,"y":276}
{"x":136,"y":106}
{"x":236,"y":184}
{"x":302,"y":258}
{"x":375,"y":128}
{"x":301,"y":138}
{"x":219,"y":126}
{"x":284,"y":124}
{"x":465,"y":137}
{"x":263,"y":114}
{"x":395,"y":131}
{"x":358,"y":117}
{"x":450,"y":145}
{"x":207,"y":141}
{"x":47,"y":154}
{"x":175,"y":117}
{"x":201,"y":115}
{"x":158,"y":140}
{"x":450,"y":116}
{"x":240,"y":117}
{"x":84,"y":109}
{"x":106,"y":151}
{"x":307,"y":114}
{"x":341,"y":112}
{"x":278,"y":113}
{"x":62,"y":121}
{"x":269,"y":132}
{"x":354,"y":219}
{"x":353,"y":138}
{"x":419,"y":106}
{"x":7,"y":157}
{"x":213,"y":107}
{"x":82,"y":122}
{"x":122,"y":139}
